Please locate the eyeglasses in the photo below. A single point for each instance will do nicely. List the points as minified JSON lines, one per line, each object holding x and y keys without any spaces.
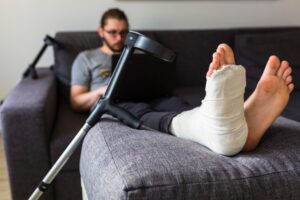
{"x":114,"y":33}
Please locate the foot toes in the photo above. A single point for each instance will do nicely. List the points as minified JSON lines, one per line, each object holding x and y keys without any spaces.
{"x":272,"y":66}
{"x":215,"y":64}
{"x":291,"y":87}
{"x":221,"y":52}
{"x":288,"y":80}
{"x":229,"y":55}
{"x":210,"y":70}
{"x":287,"y":72}
{"x":223,"y":56}
{"x":283,"y":67}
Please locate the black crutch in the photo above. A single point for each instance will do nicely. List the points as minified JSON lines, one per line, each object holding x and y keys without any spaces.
{"x":105,"y":104}
{"x":31,"y":68}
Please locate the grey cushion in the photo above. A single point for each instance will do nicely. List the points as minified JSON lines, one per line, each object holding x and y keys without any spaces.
{"x":68,"y":123}
{"x":118,"y":162}
{"x":27,"y":117}
{"x":69,"y":45}
{"x":253,"y":51}
{"x":194,"y":50}
{"x":188,"y":63}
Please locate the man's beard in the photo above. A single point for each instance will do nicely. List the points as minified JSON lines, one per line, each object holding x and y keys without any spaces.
{"x":111,"y":47}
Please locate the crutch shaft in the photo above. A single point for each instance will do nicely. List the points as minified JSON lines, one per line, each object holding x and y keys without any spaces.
{"x":60,"y":163}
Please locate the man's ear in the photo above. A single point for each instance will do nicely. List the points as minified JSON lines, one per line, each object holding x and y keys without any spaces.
{"x":100,"y":32}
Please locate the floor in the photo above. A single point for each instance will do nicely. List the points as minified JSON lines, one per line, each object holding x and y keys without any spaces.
{"x":4,"y":186}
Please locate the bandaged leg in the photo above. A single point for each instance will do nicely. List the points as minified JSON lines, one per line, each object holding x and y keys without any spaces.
{"x":219,"y":123}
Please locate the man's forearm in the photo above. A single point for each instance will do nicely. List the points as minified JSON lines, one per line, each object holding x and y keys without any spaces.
{"x":84,"y":102}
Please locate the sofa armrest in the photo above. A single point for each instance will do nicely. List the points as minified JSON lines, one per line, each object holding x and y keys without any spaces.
{"x":27,"y":117}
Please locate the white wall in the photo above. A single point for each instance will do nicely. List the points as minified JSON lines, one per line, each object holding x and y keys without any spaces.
{"x":24,"y":23}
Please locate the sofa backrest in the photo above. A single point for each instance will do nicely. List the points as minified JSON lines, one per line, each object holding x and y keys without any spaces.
{"x":252,"y":50}
{"x":194,"y":49}
{"x":69,"y":45}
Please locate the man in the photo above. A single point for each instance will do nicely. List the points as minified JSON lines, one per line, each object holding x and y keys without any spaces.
{"x":224,"y":122}
{"x":85,"y":92}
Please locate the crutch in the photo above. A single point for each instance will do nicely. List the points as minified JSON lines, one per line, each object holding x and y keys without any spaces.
{"x":105,"y":104}
{"x":48,"y":41}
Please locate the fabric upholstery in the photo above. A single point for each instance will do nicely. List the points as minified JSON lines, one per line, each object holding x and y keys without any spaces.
{"x":197,"y":56}
{"x":38,"y":123}
{"x":67,"y":183}
{"x":118,"y":162}
{"x":68,"y":124}
{"x":28,"y":116}
{"x":69,"y":44}
{"x":253,"y":50}
{"x":67,"y":186}
{"x":292,"y":111}
{"x":194,"y":49}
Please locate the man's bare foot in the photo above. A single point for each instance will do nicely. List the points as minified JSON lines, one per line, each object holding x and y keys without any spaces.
{"x":268,"y":100}
{"x":223,"y":56}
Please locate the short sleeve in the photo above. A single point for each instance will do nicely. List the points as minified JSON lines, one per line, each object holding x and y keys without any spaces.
{"x":80,"y":74}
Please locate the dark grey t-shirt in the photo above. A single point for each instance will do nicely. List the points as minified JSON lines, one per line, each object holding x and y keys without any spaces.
{"x":91,"y":68}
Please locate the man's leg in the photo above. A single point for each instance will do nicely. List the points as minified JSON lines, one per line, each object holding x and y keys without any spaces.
{"x":268,"y":100}
{"x":158,"y":113}
{"x":219,"y":123}
{"x":170,"y":104}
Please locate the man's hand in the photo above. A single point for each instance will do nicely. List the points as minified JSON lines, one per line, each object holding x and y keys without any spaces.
{"x":82,"y":99}
{"x":101,"y":90}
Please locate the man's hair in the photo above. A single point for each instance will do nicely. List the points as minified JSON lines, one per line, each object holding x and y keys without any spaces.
{"x":113,"y":13}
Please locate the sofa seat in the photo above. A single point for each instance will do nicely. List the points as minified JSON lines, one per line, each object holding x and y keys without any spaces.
{"x":68,"y":123}
{"x":118,"y":162}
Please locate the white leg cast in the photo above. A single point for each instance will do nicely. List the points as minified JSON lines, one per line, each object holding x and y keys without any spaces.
{"x":219,"y":123}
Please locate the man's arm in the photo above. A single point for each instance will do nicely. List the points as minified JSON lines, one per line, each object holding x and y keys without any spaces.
{"x":82,"y":99}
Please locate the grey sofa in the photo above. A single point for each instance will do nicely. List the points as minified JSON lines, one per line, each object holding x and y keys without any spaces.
{"x":118,"y":162}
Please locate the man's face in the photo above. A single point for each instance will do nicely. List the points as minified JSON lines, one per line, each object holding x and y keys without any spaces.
{"x":114,"y":34}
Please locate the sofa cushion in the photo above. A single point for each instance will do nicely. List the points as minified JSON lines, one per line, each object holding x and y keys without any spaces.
{"x":253,"y":51}
{"x":194,"y":50}
{"x":68,"y":124}
{"x":69,"y":45}
{"x":118,"y":162}
{"x":292,"y":109}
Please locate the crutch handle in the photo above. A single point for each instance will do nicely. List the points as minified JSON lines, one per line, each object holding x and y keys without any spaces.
{"x":124,"y":116}
{"x":105,"y":106}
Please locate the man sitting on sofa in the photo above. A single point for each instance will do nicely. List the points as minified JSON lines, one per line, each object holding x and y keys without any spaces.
{"x":224,"y":122}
